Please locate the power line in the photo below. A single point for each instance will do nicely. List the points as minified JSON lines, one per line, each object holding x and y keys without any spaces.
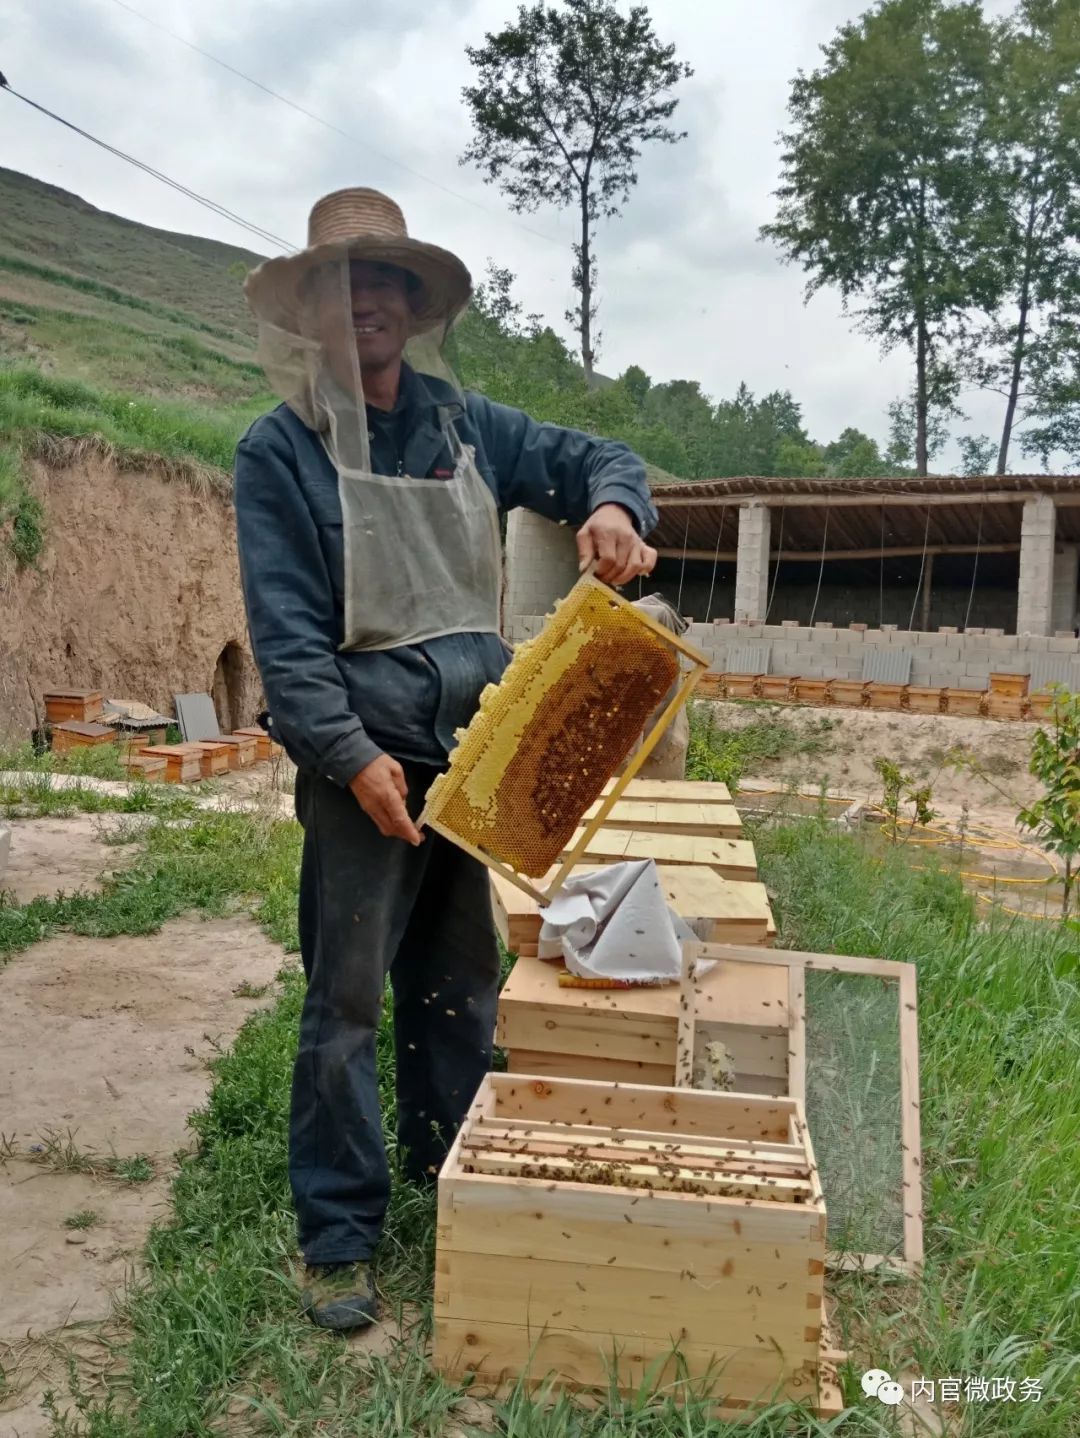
{"x":208,"y":204}
{"x":336,"y":129}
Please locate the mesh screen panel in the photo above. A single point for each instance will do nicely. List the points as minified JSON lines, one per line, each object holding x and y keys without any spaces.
{"x":853,"y":1107}
{"x":549,"y":736}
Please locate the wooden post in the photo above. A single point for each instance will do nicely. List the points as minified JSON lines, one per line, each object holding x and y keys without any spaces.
{"x":927,"y":585}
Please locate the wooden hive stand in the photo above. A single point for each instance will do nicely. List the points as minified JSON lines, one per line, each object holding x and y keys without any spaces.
{"x":72,"y":734}
{"x":83,"y":705}
{"x":618,"y":1235}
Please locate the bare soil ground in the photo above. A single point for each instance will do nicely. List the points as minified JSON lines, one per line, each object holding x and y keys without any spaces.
{"x":102,"y":1054}
{"x":53,"y":856}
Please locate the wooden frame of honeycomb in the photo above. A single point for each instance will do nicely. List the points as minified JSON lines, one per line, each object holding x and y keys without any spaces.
{"x":548,"y":738}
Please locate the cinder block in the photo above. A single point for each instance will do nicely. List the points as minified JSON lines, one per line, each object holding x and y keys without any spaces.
{"x":1069,"y":645}
{"x":1002,"y":643}
{"x":790,"y":624}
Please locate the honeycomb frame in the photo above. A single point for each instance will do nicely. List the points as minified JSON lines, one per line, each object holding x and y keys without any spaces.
{"x":536,"y":712}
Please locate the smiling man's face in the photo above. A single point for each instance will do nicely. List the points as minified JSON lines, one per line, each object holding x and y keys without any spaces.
{"x":377,"y":325}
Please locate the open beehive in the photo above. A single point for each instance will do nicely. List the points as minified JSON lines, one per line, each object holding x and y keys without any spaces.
{"x":548,"y":738}
{"x":612,"y":1235}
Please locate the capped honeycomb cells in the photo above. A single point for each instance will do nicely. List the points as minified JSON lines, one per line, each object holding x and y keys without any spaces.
{"x":549,"y":736}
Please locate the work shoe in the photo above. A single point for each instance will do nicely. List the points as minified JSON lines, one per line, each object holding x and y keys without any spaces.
{"x":340,"y":1296}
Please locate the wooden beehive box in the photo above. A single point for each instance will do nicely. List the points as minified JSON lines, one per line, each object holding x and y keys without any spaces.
{"x":1041,"y":706}
{"x":886,"y":696}
{"x":242,"y":749}
{"x":147,"y":767}
{"x":265,"y":747}
{"x":852,"y":693}
{"x":778,"y":687}
{"x":711,"y":686}
{"x":674,"y":791}
{"x":730,"y":858}
{"x":720,"y":911}
{"x":965,"y":701}
{"x":72,"y":734}
{"x":742,"y":686}
{"x":631,"y":1035}
{"x":923,"y":700}
{"x":83,"y":705}
{"x":1006,"y":706}
{"x":1009,"y":686}
{"x":182,"y":766}
{"x":814,"y":691}
{"x":648,"y":816}
{"x":586,"y":1231}
{"x":213,"y":756}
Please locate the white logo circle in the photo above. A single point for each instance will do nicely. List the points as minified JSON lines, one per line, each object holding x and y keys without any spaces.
{"x":872,"y":1380}
{"x":891,"y":1393}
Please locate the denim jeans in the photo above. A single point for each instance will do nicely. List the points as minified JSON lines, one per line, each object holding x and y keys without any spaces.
{"x":372,"y":908}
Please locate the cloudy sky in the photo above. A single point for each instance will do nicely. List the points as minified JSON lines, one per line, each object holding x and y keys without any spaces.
{"x":686,"y":288}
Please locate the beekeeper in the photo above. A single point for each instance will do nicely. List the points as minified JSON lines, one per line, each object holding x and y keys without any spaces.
{"x":367,"y":510}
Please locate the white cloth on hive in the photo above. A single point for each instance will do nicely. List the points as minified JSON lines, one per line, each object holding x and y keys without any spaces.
{"x":615,"y":923}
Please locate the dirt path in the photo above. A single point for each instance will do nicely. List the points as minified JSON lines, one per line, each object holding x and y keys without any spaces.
{"x":102,"y":1057}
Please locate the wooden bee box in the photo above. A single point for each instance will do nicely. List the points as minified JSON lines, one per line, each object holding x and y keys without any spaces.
{"x":242,"y":749}
{"x":651,"y":817}
{"x":730,"y":858}
{"x":674,"y":791}
{"x":72,"y":734}
{"x":83,"y":705}
{"x":147,"y":767}
{"x":719,"y":910}
{"x":742,"y":686}
{"x":1009,"y":686}
{"x":265,"y":747}
{"x":886,"y":696}
{"x":965,"y":701}
{"x":711,"y":686}
{"x":778,"y":687}
{"x":585,"y":1231}
{"x":1041,"y":706}
{"x":814,"y":691}
{"x":214,"y":756}
{"x":182,"y":766}
{"x":852,"y":693}
{"x":631,"y":1035}
{"x":1006,"y":706}
{"x":925,"y":701}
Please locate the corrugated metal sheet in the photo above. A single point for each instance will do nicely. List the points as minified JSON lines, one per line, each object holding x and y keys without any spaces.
{"x":748,"y":659}
{"x":887,"y":666}
{"x":1047,"y":669}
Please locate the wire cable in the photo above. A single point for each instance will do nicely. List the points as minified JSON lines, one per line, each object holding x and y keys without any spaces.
{"x":974,"y":567}
{"x":776,"y":571}
{"x":821,"y":567}
{"x":716,"y":560}
{"x":336,"y":129}
{"x":922,"y":570}
{"x":220,"y":210}
{"x":682,"y":571}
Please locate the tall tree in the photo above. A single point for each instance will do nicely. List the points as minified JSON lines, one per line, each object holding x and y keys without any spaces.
{"x":1035,"y":127}
{"x":884,"y":189}
{"x":562,"y":103}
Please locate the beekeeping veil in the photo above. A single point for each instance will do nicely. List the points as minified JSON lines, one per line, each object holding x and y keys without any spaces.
{"x":359,"y":296}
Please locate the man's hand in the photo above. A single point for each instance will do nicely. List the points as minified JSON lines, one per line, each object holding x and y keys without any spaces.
{"x":609,"y":537}
{"x":380,"y":790}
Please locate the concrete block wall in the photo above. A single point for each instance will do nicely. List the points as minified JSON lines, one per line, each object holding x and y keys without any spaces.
{"x":541,"y":565}
{"x":1063,"y":603}
{"x":955,"y":661}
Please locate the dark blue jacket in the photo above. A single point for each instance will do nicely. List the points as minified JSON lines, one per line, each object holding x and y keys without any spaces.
{"x":335,"y":712}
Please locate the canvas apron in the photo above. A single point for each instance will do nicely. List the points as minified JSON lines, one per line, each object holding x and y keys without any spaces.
{"x":423,"y":557}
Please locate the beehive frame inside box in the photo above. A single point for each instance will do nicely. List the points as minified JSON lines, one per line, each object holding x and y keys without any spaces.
{"x":548,"y":738}
{"x":615,"y":1235}
{"x":897,"y":986}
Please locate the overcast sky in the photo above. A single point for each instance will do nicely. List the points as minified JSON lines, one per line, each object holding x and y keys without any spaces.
{"x":686,"y":288}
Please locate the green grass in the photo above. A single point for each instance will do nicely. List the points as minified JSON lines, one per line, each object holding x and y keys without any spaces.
{"x":214,"y":1339}
{"x":84,"y":1218}
{"x":21,"y":513}
{"x":33,"y":404}
{"x":723,"y":753}
{"x":98,"y":351}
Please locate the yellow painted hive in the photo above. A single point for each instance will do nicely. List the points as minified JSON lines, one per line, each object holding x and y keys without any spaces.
{"x":550,"y":735}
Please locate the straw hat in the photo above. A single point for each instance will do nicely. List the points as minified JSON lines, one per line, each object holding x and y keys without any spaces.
{"x":368,"y":226}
